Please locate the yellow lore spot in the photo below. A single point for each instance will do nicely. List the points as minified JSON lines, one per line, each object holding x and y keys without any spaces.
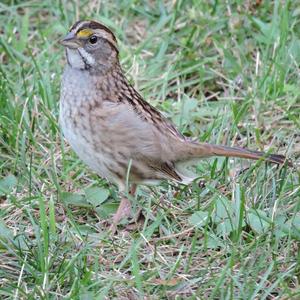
{"x":85,"y":33}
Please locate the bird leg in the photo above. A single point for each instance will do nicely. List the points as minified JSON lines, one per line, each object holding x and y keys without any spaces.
{"x":123,"y":211}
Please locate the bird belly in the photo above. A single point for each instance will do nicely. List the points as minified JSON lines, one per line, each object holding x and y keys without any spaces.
{"x":91,"y":150}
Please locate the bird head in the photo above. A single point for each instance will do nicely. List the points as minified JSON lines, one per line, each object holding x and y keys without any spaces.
{"x":90,"y":46}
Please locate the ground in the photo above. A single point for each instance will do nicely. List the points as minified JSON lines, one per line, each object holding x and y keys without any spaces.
{"x":225,"y":72}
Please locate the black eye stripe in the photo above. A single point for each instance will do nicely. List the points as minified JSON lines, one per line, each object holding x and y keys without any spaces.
{"x":107,"y":41}
{"x":110,"y":43}
{"x":96,"y":25}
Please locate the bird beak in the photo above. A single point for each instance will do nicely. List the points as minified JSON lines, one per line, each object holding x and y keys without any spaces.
{"x":70,"y":41}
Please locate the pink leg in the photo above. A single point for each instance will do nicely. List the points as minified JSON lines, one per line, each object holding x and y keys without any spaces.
{"x":123,"y":211}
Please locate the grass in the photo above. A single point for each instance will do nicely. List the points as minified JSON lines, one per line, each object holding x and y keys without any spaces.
{"x":224,"y":73}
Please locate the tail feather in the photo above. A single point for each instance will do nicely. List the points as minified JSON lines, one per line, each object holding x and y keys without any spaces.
{"x":204,"y":149}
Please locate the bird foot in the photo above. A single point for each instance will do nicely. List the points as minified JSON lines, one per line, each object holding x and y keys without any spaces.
{"x":137,"y":221}
{"x":123,"y":211}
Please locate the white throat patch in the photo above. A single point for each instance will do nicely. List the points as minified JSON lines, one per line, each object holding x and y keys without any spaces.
{"x":87,"y":57}
{"x":79,"y":58}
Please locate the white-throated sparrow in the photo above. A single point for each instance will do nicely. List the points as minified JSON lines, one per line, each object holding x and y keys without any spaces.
{"x":112,"y":128}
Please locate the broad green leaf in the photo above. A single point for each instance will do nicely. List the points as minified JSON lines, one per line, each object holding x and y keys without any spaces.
{"x":106,"y":209}
{"x":7,"y":184}
{"x":291,"y":226}
{"x":225,"y":227}
{"x":7,"y":236}
{"x":223,"y":209}
{"x":214,"y":242}
{"x":296,"y":221}
{"x":199,"y":218}
{"x":95,"y":195}
{"x":279,"y":224}
{"x":5,"y":232}
{"x":294,"y":50}
{"x":257,"y":223}
{"x":74,"y":199}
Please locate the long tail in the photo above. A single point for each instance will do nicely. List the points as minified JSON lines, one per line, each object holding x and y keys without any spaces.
{"x":206,"y":150}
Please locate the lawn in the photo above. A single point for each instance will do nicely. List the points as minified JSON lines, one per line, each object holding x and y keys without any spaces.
{"x":225,"y":72}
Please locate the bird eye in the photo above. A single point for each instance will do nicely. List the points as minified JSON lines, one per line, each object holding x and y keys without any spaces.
{"x":93,"y":39}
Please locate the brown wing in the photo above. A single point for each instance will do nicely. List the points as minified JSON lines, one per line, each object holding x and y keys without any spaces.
{"x":150,"y":114}
{"x":147,"y":112}
{"x":166,"y":168}
{"x":148,"y":137}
